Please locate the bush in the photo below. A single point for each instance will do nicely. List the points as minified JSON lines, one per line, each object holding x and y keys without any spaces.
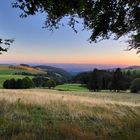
{"x":27,"y":83}
{"x":10,"y":84}
{"x":135,"y":86}
{"x":51,"y":83}
{"x":40,"y":81}
{"x":18,"y":84}
{"x":6,"y":84}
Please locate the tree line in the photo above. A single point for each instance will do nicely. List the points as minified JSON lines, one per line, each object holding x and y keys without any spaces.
{"x":116,"y":80}
{"x":96,"y":80}
{"x":27,"y":83}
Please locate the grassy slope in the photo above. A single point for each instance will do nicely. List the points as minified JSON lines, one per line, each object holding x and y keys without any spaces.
{"x":7,"y":77}
{"x":8,"y":70}
{"x":54,"y":115}
{"x":7,"y":73}
{"x":71,"y":87}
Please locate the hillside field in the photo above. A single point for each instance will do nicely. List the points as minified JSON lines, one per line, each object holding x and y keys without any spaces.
{"x":11,"y":70}
{"x":8,"y":72}
{"x":40,"y":114}
{"x":7,"y":77}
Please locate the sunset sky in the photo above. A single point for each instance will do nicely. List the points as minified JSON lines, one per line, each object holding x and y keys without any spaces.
{"x":36,"y":45}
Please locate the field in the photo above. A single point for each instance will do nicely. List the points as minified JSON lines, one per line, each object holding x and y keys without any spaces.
{"x":11,"y":70}
{"x":42,"y":114}
{"x":8,"y":72}
{"x":71,"y":87}
{"x":7,"y":77}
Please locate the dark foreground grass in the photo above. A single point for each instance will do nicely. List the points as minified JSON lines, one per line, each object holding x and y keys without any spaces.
{"x":33,"y":122}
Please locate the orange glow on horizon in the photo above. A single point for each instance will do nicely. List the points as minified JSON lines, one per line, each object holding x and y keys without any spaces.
{"x":64,"y":59}
{"x":42,"y":61}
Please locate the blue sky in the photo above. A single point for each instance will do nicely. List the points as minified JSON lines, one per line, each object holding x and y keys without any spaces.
{"x":36,"y":45}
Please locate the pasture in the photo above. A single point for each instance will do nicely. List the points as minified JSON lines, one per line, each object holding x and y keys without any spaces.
{"x":40,"y":114}
{"x":11,"y":70}
{"x":71,"y":87}
{"x":8,"y":77}
{"x":8,"y":72}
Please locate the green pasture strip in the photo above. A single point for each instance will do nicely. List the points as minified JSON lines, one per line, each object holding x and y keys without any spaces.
{"x":71,"y":87}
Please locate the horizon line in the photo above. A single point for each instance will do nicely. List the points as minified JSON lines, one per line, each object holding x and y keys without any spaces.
{"x":33,"y":63}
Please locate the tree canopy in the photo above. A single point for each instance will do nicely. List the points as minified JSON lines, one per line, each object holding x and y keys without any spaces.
{"x":135,"y":86}
{"x":103,"y":18}
{"x":4,"y":44}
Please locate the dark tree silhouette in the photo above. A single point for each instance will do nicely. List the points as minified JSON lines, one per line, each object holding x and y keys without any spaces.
{"x":6,"y":84}
{"x":135,"y":86}
{"x":82,"y":78}
{"x":102,"y":17}
{"x":24,"y":83}
{"x":95,"y":80}
{"x":117,"y":80}
{"x":27,"y":83}
{"x":51,"y":83}
{"x":40,"y":81}
{"x":6,"y":43}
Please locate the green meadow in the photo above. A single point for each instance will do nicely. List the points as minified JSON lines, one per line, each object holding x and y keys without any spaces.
{"x":71,"y":87}
{"x":7,"y":73}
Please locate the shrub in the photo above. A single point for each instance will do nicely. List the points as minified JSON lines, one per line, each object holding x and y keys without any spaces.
{"x":9,"y":84}
{"x":51,"y":83}
{"x":18,"y":84}
{"x":12,"y":83}
{"x":135,"y":86}
{"x":27,"y":83}
{"x":6,"y":84}
{"x":40,"y":81}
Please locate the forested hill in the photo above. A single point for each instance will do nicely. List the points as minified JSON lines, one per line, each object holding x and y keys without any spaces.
{"x":54,"y":71}
{"x":74,"y":69}
{"x":133,"y":67}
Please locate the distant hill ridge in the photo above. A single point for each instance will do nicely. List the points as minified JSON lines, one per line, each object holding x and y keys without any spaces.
{"x":133,"y":67}
{"x":57,"y":71}
{"x":65,"y":71}
{"x":76,"y":68}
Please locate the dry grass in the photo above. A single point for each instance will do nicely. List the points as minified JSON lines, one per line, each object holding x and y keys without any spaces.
{"x":45,"y":96}
{"x":78,"y":104}
{"x":77,"y":115}
{"x":33,"y":70}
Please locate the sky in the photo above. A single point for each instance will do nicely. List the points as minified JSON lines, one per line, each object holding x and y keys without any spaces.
{"x":36,"y":45}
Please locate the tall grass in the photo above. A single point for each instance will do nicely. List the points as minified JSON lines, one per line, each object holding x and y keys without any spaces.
{"x":52,"y":115}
